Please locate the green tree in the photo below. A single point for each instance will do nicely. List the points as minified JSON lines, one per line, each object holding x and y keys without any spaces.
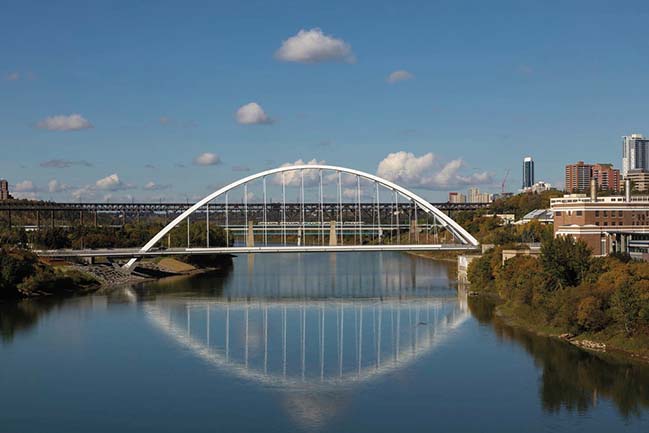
{"x":565,"y":261}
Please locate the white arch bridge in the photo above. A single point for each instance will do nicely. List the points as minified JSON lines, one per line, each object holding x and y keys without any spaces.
{"x":335,"y":209}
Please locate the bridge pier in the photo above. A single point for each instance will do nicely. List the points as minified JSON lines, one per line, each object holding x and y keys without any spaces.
{"x":250,"y":234}
{"x":333,"y":237}
{"x":413,"y":230}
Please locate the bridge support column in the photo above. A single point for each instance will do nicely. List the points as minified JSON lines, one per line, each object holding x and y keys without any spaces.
{"x":333,"y":237}
{"x":413,"y":230}
{"x":250,"y":235}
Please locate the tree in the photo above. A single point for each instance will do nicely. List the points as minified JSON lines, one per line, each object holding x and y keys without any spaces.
{"x":565,"y":261}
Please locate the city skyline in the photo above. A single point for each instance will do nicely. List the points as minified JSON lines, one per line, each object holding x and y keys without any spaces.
{"x":140,"y":114}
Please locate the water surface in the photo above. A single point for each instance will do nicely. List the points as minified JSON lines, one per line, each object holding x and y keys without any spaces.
{"x":376,"y":342}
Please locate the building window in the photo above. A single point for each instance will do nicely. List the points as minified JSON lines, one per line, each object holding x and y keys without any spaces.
{"x":619,"y":213}
{"x":558,"y":213}
{"x":605,"y":214}
{"x":605,"y":223}
{"x":596,"y":213}
{"x":578,"y":213}
{"x":596,"y":223}
{"x":613,"y":223}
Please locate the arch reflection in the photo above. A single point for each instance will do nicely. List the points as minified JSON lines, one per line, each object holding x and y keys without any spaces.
{"x":309,"y":344}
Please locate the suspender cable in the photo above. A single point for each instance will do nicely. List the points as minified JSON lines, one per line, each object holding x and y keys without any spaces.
{"x":245,"y":211}
{"x":321,"y":212}
{"x":396,"y":205}
{"x":227,"y":222}
{"x":303,"y":235}
{"x":207,"y":223}
{"x":283,"y":209}
{"x":378,"y":213}
{"x":358,"y":209}
{"x":416,"y":224}
{"x":265,"y":218}
{"x":340,"y":207}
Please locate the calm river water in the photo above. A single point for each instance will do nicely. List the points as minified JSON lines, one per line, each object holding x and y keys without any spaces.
{"x":365,"y":342}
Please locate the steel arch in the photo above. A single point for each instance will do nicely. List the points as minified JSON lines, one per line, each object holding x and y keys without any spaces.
{"x":448,"y":223}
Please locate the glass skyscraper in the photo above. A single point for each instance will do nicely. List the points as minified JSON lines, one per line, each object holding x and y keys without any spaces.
{"x":635,"y":153}
{"x":528,"y":172}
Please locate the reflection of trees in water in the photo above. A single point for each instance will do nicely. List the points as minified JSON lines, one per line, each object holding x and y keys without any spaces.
{"x":22,"y":315}
{"x":25,"y":314}
{"x":573,"y":378}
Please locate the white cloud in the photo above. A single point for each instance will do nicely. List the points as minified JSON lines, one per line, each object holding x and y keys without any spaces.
{"x":13,"y":76}
{"x":313,"y":46}
{"x":54,"y":186}
{"x":294,"y":178}
{"x":252,"y":114}
{"x":406,"y":169}
{"x":83,"y":192}
{"x":112,"y":183}
{"x":165,"y":120}
{"x":400,"y":75}
{"x":207,"y":158}
{"x":25,"y":195}
{"x":73,"y":122}
{"x":25,"y":186}
{"x":152,"y":186}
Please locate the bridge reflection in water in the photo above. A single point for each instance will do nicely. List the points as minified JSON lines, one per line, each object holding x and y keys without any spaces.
{"x":311,"y":333}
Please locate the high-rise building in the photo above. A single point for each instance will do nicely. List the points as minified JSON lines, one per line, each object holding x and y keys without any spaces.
{"x":4,"y":190}
{"x":528,"y":172}
{"x":635,"y":153}
{"x":608,"y":178}
{"x":579,"y":175}
{"x":475,"y":196}
{"x":456,"y":197}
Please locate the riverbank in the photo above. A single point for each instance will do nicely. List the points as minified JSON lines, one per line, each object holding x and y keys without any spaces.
{"x":27,"y":276}
{"x":614,"y":343}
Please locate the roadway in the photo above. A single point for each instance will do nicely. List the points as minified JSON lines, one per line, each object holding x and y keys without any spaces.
{"x":135,"y":252}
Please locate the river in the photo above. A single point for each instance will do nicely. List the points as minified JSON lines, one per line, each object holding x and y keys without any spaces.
{"x":350,"y":342}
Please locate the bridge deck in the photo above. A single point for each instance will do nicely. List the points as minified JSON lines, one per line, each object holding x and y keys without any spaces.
{"x":135,"y":252}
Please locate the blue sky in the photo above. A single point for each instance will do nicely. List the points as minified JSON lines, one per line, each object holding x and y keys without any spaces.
{"x":156,"y":85}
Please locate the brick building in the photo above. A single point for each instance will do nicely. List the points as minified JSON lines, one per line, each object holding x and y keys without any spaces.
{"x":606,"y":224}
{"x":579,"y":175}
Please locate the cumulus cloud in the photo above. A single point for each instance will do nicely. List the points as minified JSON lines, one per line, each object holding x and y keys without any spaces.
{"x":25,"y":186}
{"x":152,"y":186}
{"x":12,"y":76}
{"x":207,"y":158}
{"x":426,"y":172}
{"x":252,"y":114}
{"x":400,"y":75}
{"x":165,"y":120}
{"x":112,"y":183}
{"x":313,"y":46}
{"x":83,"y":192}
{"x":64,"y":163}
{"x":54,"y":186}
{"x":73,"y":122}
{"x":294,"y":178}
